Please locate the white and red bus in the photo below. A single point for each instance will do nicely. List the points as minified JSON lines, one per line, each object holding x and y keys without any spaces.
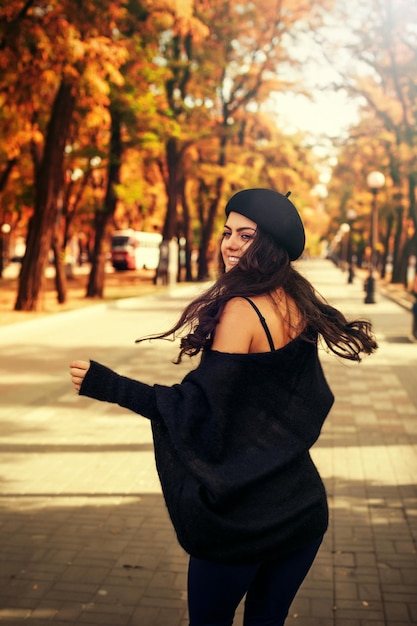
{"x":133,"y":250}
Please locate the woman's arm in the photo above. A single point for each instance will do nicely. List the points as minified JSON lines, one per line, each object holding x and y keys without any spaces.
{"x":101,"y":383}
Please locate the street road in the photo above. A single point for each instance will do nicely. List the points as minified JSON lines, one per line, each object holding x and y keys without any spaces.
{"x":84,"y":533}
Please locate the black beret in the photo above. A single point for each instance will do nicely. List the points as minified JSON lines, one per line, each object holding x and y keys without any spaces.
{"x":275,"y":214}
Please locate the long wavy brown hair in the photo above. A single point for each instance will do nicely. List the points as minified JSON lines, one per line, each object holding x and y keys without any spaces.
{"x":263,"y":269}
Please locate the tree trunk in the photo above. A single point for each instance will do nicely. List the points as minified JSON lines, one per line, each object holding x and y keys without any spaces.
{"x":390,"y":221}
{"x":169,"y":174}
{"x":396,"y":260}
{"x":103,"y":216}
{"x":95,"y":287}
{"x":4,"y":176}
{"x":202,"y":270}
{"x":172,"y":157}
{"x":48,"y":181}
{"x":60,"y":277}
{"x":207,"y":227}
{"x":404,"y":261}
{"x":187,"y":232}
{"x":412,"y":182}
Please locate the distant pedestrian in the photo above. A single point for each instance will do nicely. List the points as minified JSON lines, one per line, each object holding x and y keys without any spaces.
{"x":232,"y":440}
{"x":161,"y":275}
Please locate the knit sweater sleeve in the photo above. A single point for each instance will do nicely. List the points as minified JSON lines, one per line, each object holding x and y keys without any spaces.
{"x":102,"y":383}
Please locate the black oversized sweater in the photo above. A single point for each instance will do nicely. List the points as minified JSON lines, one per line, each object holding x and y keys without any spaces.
{"x":232,"y":447}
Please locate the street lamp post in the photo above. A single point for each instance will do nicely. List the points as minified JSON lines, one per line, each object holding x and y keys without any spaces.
{"x":375,"y":181}
{"x":344,"y":232}
{"x":4,"y":246}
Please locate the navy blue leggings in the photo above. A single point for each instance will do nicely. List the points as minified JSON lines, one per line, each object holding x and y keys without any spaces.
{"x":215,"y":590}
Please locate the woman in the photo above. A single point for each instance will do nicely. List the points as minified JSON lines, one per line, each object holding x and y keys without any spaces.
{"x":232,"y":440}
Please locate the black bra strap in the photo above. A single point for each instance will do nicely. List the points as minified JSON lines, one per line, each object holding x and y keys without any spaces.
{"x":263,"y":322}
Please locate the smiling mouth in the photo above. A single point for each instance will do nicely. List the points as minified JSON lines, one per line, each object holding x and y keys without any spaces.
{"x":233,"y":259}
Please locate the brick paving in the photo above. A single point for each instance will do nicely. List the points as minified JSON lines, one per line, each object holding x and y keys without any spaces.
{"x":85,"y":538}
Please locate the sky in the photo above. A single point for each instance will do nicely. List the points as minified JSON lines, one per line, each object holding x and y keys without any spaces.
{"x":329,"y":113}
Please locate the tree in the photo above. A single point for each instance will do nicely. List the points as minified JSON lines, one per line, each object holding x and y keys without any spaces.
{"x":380,"y":69}
{"x":183,"y":87}
{"x":53,"y":60}
{"x":177,"y":46}
{"x":48,"y":183}
{"x":104,"y":213}
{"x":240,"y":64}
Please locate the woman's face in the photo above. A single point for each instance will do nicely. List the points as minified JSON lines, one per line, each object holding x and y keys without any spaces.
{"x":238,"y":234}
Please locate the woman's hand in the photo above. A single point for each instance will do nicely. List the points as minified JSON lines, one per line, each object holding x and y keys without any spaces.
{"x":78,"y":370}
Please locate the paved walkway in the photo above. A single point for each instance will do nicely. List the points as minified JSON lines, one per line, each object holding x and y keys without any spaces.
{"x":85,"y":538}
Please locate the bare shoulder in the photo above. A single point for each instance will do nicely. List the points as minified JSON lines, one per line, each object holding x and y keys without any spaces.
{"x":234,"y":332}
{"x":240,"y":310}
{"x":237,"y":305}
